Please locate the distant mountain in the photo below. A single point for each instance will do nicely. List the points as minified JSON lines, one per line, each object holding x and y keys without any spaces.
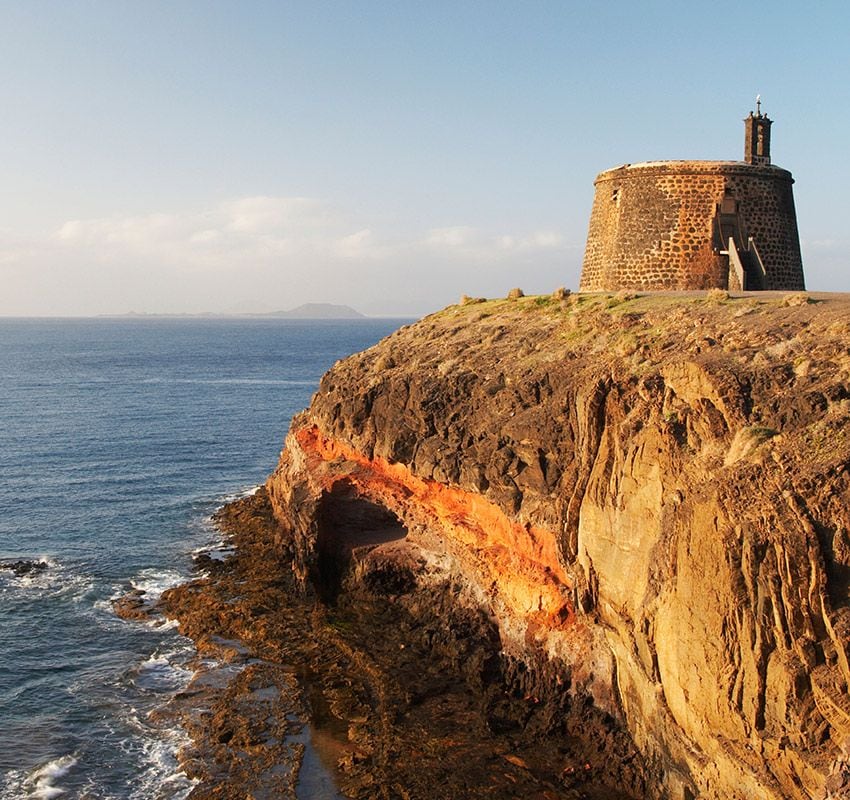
{"x":306,"y":311}
{"x":318,"y":311}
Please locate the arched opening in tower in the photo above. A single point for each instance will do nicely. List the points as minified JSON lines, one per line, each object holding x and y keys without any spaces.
{"x":349,"y":527}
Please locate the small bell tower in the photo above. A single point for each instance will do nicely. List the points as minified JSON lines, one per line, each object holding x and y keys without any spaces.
{"x":757,"y":136}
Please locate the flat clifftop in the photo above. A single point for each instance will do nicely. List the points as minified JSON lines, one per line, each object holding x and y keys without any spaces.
{"x":648,"y":494}
{"x":445,"y":394}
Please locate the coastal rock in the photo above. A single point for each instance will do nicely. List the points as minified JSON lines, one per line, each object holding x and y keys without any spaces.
{"x":24,"y":567}
{"x":646,"y":498}
{"x":398,"y":669}
{"x":133,"y":605}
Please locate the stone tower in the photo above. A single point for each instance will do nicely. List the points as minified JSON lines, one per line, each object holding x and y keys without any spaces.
{"x":757,"y":136}
{"x":681,"y":225}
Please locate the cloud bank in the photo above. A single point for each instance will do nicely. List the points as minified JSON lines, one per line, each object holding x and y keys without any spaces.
{"x":265,"y":253}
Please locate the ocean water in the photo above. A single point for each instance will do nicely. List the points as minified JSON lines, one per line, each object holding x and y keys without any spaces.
{"x":118,"y":439}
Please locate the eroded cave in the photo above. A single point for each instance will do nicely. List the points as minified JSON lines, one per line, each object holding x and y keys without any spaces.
{"x":349,"y":525}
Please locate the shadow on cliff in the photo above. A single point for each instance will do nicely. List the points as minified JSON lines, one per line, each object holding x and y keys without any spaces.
{"x":429,"y":685}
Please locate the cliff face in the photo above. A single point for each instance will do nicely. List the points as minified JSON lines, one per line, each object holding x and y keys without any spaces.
{"x":649,"y":495}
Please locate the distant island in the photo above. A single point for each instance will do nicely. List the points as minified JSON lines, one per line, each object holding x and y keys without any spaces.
{"x":304,"y":311}
{"x":317,"y":311}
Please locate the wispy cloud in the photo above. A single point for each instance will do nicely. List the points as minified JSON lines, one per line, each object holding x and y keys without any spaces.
{"x":263,"y":214}
{"x":464,"y":241}
{"x":245,"y":229}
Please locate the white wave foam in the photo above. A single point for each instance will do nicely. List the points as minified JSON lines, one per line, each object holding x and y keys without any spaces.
{"x":150,"y":583}
{"x":241,"y":493}
{"x":206,"y":533}
{"x":161,"y":775}
{"x":105,"y":606}
{"x":154,"y":751}
{"x":162,"y":673}
{"x":153,"y":582}
{"x":55,"y":579}
{"x":43,"y":779}
{"x":39,"y":783}
{"x":221,"y":553}
{"x":231,"y":381}
{"x":44,"y":568}
{"x":155,"y":745}
{"x":219,"y":550}
{"x":216,"y":543}
{"x":105,"y":616}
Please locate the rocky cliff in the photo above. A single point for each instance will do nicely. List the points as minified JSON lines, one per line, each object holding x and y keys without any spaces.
{"x":645,"y":497}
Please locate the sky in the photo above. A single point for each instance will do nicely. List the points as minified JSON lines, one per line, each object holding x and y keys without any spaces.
{"x":230,"y":157}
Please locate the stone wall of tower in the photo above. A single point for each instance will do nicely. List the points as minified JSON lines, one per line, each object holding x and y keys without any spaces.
{"x":653,"y":226}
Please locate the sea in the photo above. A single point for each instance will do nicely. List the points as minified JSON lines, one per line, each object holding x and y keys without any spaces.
{"x":119,"y":437}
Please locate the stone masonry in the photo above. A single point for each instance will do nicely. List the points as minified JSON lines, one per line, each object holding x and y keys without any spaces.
{"x":681,"y":225}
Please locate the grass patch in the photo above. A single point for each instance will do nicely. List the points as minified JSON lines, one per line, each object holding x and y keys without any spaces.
{"x":761,"y":433}
{"x":620,"y":298}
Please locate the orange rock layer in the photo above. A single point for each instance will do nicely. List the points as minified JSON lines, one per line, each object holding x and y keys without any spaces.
{"x":520,"y":560}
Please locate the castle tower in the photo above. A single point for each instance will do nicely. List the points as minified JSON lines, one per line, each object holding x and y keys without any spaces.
{"x":682,"y":225}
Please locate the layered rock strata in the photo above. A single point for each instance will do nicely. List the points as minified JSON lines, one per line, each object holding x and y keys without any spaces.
{"x":647,"y":498}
